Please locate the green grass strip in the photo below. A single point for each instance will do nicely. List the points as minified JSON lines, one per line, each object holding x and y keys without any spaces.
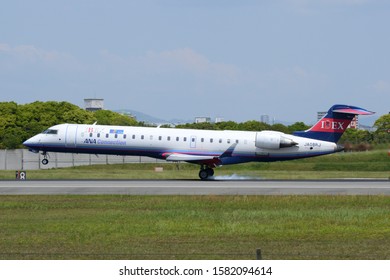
{"x":197,"y":227}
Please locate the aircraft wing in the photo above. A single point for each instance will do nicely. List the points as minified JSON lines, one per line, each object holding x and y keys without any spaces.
{"x":201,"y":159}
{"x":207,"y":160}
{"x":187,"y":157}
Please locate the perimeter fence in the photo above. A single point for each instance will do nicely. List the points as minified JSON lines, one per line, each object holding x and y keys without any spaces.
{"x":191,"y":254}
{"x":22,"y":159}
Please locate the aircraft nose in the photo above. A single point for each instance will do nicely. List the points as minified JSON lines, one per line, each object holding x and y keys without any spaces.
{"x":32,"y":142}
{"x":27,"y":142}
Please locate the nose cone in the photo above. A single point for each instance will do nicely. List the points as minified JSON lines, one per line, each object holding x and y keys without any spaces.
{"x":27,"y":142}
{"x":33,"y":143}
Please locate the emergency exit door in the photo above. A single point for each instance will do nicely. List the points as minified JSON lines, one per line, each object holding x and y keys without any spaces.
{"x":71,"y":135}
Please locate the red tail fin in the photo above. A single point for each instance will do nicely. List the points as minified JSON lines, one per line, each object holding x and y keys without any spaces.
{"x":334,"y":123}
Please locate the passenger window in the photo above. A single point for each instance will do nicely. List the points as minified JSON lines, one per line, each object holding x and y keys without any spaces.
{"x":90,"y":135}
{"x":124,"y":136}
{"x":211,"y":140}
{"x":160,"y":138}
{"x":228,"y":141}
{"x":133,"y":136}
{"x":169,"y":138}
{"x":98,"y":135}
{"x":116,"y":135}
{"x":220,"y":140}
{"x":202,"y":140}
{"x":177,"y":138}
{"x":237,"y":141}
{"x":107,"y":135}
{"x":142,"y":137}
{"x":185,"y":139}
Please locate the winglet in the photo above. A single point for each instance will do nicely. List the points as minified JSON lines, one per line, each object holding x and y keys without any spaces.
{"x":229,"y":151}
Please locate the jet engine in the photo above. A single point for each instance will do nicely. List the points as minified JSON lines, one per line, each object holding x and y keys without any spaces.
{"x":273,"y":140}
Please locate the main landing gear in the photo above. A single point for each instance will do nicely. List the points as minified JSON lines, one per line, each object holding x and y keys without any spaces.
{"x":45,"y":161}
{"x":205,"y":173}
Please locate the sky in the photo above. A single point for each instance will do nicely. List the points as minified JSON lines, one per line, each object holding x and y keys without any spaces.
{"x":180,"y":59}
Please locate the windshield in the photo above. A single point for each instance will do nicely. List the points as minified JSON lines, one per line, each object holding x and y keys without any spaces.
{"x":50,"y":131}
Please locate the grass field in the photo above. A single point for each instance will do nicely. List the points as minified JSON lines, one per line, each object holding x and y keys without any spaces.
{"x":197,"y":227}
{"x":202,"y":227}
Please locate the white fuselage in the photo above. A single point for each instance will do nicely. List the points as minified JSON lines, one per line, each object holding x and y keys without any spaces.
{"x":230,"y":146}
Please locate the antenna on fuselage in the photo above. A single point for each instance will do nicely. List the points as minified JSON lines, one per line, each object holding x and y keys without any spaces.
{"x":95,"y":123}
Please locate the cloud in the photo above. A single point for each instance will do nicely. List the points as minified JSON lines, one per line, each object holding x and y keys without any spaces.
{"x":112,"y":58}
{"x":312,"y":7}
{"x":177,"y":62}
{"x":188,"y":60}
{"x":381,"y":86}
{"x":292,"y":78}
{"x":303,"y":3}
{"x":4,"y":47}
{"x":30,"y":54}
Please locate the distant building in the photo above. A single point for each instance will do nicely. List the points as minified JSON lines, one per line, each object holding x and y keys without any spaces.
{"x":202,"y":120}
{"x":218,"y":120}
{"x":93,"y":104}
{"x":265,"y":119}
{"x":127,"y":114}
{"x":320,"y":115}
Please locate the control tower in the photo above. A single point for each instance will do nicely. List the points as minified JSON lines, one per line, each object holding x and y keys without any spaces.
{"x":93,"y":104}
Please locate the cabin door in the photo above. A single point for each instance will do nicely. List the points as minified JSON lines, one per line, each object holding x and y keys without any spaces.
{"x":71,"y":135}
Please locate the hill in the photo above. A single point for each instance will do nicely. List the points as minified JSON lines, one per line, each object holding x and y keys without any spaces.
{"x":142,"y":117}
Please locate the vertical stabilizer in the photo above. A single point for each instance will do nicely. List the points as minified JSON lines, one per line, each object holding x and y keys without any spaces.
{"x":333,"y":124}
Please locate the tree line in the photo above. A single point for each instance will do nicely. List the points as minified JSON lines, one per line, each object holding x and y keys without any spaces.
{"x":20,"y":122}
{"x":353,"y":139}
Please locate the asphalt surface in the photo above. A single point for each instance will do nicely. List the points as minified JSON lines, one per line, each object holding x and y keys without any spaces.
{"x":196,"y":187}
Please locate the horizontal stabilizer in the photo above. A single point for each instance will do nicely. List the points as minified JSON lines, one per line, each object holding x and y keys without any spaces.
{"x":354,"y":111}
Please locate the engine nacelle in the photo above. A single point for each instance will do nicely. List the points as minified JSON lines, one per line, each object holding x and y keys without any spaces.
{"x":273,"y":140}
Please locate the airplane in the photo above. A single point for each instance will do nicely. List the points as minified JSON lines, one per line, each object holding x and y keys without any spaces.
{"x":207,"y":148}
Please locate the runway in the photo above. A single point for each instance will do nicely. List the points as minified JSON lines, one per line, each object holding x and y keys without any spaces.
{"x":196,"y":187}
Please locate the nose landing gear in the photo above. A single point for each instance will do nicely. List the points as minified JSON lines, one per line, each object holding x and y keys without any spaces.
{"x":45,"y":161}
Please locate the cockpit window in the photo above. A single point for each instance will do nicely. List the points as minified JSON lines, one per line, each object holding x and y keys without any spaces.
{"x":50,"y":131}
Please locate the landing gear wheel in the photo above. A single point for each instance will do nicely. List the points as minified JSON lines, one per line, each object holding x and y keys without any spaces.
{"x":45,"y":161}
{"x":203,"y":174}
{"x":210,"y":172}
